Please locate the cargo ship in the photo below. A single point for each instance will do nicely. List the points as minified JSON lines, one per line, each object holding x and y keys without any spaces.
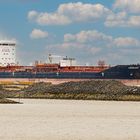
{"x":57,"y":71}
{"x":64,"y":70}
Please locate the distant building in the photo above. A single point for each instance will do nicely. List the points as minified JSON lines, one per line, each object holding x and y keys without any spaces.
{"x":7,"y":52}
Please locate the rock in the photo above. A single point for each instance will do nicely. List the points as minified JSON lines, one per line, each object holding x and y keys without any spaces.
{"x":107,"y":87}
{"x":92,"y":89}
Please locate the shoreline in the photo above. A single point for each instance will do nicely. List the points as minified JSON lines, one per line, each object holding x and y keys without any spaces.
{"x":7,"y":101}
{"x":126,"y":98}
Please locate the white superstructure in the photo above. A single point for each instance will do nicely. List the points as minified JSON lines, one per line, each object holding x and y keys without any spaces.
{"x":66,"y":62}
{"x":7,"y":52}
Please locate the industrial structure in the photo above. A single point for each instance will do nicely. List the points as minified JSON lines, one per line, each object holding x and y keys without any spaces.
{"x":7,"y":52}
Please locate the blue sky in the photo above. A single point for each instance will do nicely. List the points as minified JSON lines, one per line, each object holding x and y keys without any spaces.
{"x":88,"y":30}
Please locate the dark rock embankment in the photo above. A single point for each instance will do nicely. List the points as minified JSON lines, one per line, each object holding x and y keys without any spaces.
{"x":86,"y":90}
{"x":3,"y":99}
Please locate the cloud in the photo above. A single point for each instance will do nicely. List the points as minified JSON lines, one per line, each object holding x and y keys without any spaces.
{"x":82,"y":12}
{"x":32,"y":15}
{"x":95,"y":50}
{"x":92,"y":45}
{"x":70,"y":13}
{"x":126,"y":42}
{"x":90,"y":36}
{"x":134,"y":21}
{"x":96,"y":38}
{"x":37,"y":34}
{"x":52,"y":19}
{"x":8,"y":38}
{"x":127,"y":14}
{"x":132,"y":6}
{"x":116,"y":19}
{"x":121,"y":19}
{"x":101,"y":45}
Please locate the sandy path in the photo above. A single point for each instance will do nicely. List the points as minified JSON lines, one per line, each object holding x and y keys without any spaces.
{"x":70,"y":120}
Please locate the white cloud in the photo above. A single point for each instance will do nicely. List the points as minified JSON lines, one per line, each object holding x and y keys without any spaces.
{"x":127,"y":15}
{"x":69,"y":37}
{"x":37,"y":34}
{"x":32,"y":15}
{"x":90,"y":36}
{"x":121,"y":19}
{"x":132,"y":6}
{"x":82,"y":12}
{"x":70,"y":13}
{"x":92,"y":45}
{"x":116,"y":19}
{"x":95,"y":50}
{"x":134,"y":21}
{"x":126,"y":42}
{"x":52,"y":19}
{"x":95,"y":38}
{"x":5,"y":37}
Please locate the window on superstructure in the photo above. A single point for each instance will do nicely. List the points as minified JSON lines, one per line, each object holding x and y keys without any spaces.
{"x":12,"y":44}
{"x":5,"y":44}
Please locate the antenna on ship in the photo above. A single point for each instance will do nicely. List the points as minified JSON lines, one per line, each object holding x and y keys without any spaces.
{"x":50,"y":58}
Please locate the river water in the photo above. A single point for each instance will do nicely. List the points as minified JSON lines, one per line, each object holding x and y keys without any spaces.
{"x":70,"y":120}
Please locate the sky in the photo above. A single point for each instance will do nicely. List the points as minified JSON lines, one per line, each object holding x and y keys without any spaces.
{"x":87,"y":30}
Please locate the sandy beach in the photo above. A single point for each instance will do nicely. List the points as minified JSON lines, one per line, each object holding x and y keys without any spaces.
{"x":70,"y":120}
